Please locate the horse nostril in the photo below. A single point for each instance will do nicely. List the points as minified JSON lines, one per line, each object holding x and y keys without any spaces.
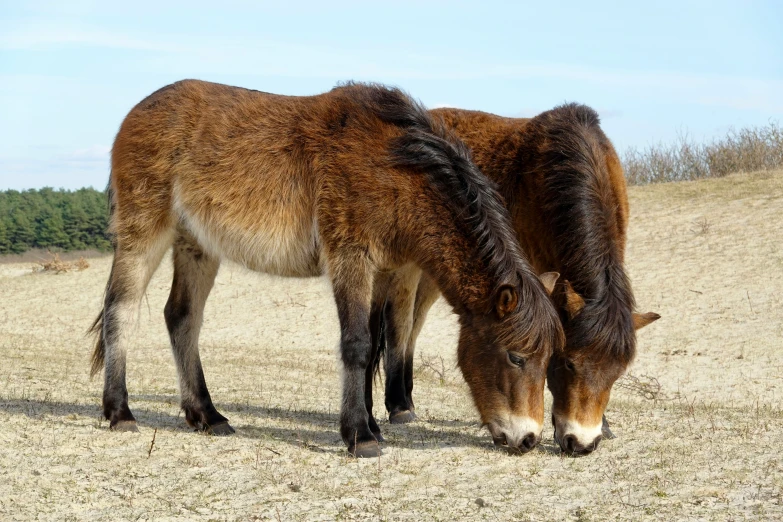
{"x":570,"y":443}
{"x":530,"y":441}
{"x":572,"y":446}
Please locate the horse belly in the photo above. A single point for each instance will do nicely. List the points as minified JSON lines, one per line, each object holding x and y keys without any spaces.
{"x":264,"y":236}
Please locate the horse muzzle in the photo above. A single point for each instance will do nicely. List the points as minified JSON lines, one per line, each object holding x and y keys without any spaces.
{"x":514,"y":439}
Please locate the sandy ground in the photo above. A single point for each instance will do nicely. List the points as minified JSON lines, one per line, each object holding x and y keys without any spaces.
{"x":705,"y":255}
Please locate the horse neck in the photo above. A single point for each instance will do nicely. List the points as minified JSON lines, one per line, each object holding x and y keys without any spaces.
{"x":441,"y":246}
{"x":461,"y":277}
{"x":496,"y":144}
{"x":505,"y":153}
{"x":493,"y":140}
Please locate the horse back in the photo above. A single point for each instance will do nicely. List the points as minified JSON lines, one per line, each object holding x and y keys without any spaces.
{"x":226,"y":163}
{"x":264,"y":179}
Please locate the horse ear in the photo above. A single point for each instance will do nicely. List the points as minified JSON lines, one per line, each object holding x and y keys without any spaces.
{"x":574,"y":301}
{"x":508,"y":297}
{"x":642,"y":320}
{"x":548,"y":279}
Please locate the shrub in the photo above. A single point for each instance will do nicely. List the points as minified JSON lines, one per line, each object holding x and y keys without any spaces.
{"x":745,"y":150}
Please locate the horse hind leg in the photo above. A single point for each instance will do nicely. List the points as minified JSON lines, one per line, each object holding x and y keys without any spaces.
{"x":134,"y":264}
{"x":377,"y":336}
{"x":398,"y":321}
{"x":194,"y":276}
{"x":426,"y":295}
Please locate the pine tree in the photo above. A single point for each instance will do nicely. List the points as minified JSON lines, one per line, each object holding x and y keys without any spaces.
{"x":5,"y":236}
{"x":56,"y":219}
{"x":50,"y":231}
{"x":23,"y":231}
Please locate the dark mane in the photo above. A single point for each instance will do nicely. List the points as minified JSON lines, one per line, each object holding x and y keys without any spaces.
{"x":578,"y":201}
{"x":429,"y":146}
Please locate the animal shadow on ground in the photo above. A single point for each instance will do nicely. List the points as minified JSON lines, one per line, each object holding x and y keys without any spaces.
{"x":323,"y":429}
{"x":316,"y":431}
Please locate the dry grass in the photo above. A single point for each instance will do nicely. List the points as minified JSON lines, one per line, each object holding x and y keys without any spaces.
{"x":699,"y":420}
{"x":746,"y":150}
{"x":56,"y":265}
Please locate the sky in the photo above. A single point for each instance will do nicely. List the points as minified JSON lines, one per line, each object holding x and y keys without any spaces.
{"x":70,"y":71}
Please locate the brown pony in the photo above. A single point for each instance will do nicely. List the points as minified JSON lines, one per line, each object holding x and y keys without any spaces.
{"x":564,"y":187}
{"x":350,"y":183}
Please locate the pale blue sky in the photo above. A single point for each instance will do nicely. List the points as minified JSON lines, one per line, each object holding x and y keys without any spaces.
{"x":70,"y":71}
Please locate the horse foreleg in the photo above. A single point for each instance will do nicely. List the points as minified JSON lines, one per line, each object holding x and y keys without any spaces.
{"x":194,"y":275}
{"x":352,"y":281}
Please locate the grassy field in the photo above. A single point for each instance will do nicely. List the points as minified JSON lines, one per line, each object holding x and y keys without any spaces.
{"x":704,"y":445}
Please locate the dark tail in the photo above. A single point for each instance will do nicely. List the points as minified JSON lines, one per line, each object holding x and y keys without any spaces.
{"x":99,"y":352}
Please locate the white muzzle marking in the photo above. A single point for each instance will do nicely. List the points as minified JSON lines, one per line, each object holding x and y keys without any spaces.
{"x":584,"y":435}
{"x":518,"y":427}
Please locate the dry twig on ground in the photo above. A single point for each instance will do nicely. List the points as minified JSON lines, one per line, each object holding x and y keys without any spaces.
{"x":58,"y":266}
{"x":642,"y":385}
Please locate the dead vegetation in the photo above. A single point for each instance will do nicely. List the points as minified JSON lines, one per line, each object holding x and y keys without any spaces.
{"x":746,"y":150}
{"x":435,"y":365}
{"x":53,"y":264}
{"x":643,"y":386}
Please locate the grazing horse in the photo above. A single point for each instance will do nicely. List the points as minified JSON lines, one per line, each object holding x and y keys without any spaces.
{"x":564,"y":187}
{"x":349,"y":183}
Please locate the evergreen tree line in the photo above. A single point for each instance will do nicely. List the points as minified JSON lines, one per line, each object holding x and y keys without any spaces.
{"x":59,"y":220}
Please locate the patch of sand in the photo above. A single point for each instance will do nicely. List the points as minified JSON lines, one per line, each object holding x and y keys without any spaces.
{"x":705,"y":255}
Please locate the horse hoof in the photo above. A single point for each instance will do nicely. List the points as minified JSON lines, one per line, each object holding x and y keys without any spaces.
{"x":378,"y":436}
{"x":126,"y":426}
{"x":402,"y":417}
{"x":220,"y":430}
{"x":365,"y":450}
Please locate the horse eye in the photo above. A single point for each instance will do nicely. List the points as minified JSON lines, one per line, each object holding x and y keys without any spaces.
{"x":570,"y":366}
{"x":516,"y":359}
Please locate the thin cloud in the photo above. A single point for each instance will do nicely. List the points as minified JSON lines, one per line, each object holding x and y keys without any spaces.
{"x":51,"y":35}
{"x":71,"y":169}
{"x":89,"y":155}
{"x":294,"y":60}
